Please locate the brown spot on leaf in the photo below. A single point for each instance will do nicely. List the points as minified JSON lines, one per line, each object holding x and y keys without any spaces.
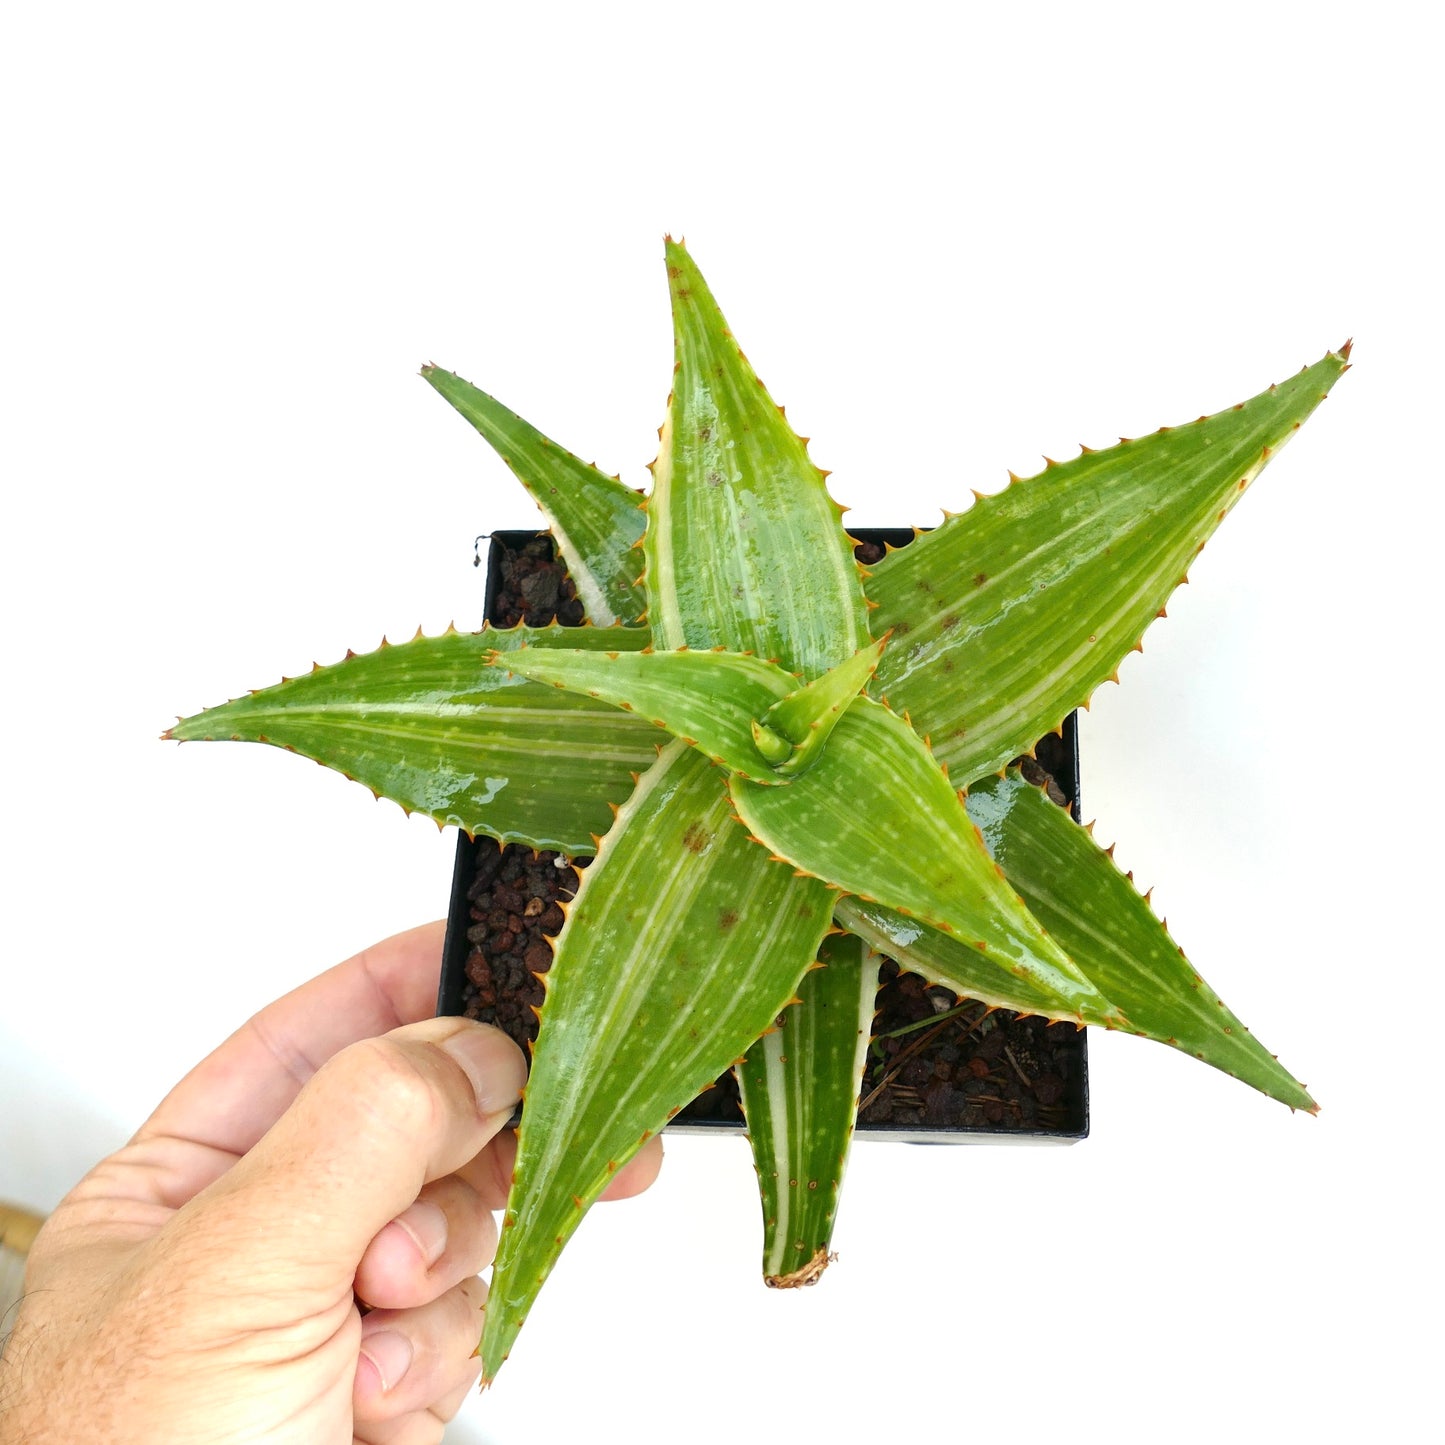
{"x":727,"y":919}
{"x":979,"y":578}
{"x":696,"y":838}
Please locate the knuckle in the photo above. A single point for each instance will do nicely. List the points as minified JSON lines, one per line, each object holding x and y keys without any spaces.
{"x":389,"y":1081}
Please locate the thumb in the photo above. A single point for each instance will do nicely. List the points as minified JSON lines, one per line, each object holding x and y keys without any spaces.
{"x":375,"y":1123}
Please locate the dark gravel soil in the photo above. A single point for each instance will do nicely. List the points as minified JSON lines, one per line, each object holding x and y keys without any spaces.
{"x":533,"y":587}
{"x":935,"y":1061}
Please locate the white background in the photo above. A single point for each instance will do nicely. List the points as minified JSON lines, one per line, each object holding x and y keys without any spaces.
{"x":951,"y":241}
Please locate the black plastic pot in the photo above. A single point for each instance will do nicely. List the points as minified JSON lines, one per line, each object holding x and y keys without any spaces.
{"x":1070,"y":1112}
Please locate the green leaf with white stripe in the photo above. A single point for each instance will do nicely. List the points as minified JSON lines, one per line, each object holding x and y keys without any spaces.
{"x":595,"y":520}
{"x":683,"y":944}
{"x":799,"y":1086}
{"x":941,"y":959}
{"x":1010,"y":614}
{"x":428,"y":724}
{"x":876,"y":816}
{"x":745,"y":548}
{"x":1072,"y":886}
{"x":710,"y":699}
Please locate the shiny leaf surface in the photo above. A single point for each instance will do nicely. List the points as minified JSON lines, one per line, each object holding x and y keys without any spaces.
{"x":875,"y":816}
{"x":1073,"y":888}
{"x":941,"y":959}
{"x":428,"y":724}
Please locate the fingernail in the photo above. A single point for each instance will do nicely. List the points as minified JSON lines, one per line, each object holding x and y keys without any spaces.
{"x":493,"y":1063}
{"x":390,"y":1354}
{"x":427,"y":1225}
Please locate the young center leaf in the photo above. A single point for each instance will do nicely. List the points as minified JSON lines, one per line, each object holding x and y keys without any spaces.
{"x":728,"y":704}
{"x":710,"y":699}
{"x":799,"y":726}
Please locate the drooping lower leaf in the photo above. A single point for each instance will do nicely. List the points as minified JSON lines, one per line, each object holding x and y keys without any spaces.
{"x":428,"y":724}
{"x":683,"y":944}
{"x":875,"y":816}
{"x":709,"y":698}
{"x":745,"y":548}
{"x":799,"y":1086}
{"x":1010,"y":614}
{"x":595,"y":520}
{"x":1072,"y":886}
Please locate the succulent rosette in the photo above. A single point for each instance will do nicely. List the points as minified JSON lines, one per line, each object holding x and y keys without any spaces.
{"x":786,"y":765}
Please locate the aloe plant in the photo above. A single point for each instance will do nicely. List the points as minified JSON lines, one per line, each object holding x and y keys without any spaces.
{"x":805,"y":807}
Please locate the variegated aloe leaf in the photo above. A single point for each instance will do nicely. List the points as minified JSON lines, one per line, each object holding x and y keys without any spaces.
{"x":710,"y":699}
{"x":430,"y":725}
{"x":745,"y":548}
{"x":876,"y":816}
{"x":595,"y":520}
{"x":799,"y":1086}
{"x":683,"y":944}
{"x":1010,"y":614}
{"x":940,"y":958}
{"x":1072,"y":886}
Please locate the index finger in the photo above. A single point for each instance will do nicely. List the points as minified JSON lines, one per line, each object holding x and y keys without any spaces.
{"x":230,"y":1099}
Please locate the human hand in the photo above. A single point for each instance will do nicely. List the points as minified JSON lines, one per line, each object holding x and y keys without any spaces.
{"x":202,"y":1284}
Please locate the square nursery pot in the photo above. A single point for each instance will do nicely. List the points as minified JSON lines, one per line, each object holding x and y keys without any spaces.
{"x":977,"y":1076}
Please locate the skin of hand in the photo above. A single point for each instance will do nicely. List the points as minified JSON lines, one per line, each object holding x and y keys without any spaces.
{"x":204,"y":1283}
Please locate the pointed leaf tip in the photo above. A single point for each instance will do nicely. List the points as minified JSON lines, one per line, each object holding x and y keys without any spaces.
{"x":730,"y":461}
{"x":1165,"y":493}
